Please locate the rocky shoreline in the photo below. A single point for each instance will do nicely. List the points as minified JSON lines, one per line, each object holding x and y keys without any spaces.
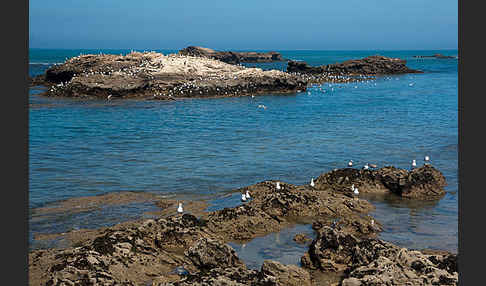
{"x":191,"y":74}
{"x":188,"y":249}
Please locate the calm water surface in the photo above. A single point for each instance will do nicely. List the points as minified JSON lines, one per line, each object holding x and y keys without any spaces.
{"x":200,"y":148}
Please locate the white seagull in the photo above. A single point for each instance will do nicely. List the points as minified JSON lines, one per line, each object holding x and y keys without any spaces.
{"x":312,"y":182}
{"x":247,"y":194}
{"x":366,"y":166}
{"x":179,"y":209}
{"x":414,"y":163}
{"x":427,"y":159}
{"x":350,"y":163}
{"x":278,"y":185}
{"x":356,"y":191}
{"x":243,"y":197}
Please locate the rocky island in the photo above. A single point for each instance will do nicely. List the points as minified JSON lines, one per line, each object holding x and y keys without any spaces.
{"x":190,"y":73}
{"x":369,"y":66}
{"x":233,"y":57}
{"x":185,"y":249}
{"x":436,"y":56}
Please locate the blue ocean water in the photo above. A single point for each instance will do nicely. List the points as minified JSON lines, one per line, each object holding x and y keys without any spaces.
{"x":200,"y":148}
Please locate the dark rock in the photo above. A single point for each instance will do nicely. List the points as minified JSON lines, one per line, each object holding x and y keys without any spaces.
{"x":437,"y":56}
{"x":369,"y":66}
{"x":207,"y":254}
{"x":370,"y":261}
{"x":232,"y":57}
{"x":424,"y":183}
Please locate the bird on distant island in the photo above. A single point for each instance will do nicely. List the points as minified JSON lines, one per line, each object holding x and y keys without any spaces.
{"x":366,"y":166}
{"x":414,"y":164}
{"x":350,"y":163}
{"x":278,"y":186}
{"x":243,"y":197}
{"x":426,"y":159}
{"x":312,"y":184}
{"x":179,"y":209}
{"x":247,"y":194}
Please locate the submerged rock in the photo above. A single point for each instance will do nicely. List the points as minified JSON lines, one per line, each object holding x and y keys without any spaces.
{"x":372,"y":65}
{"x":232,"y":57}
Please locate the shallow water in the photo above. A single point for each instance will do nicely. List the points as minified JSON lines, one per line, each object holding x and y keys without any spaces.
{"x":201,"y":148}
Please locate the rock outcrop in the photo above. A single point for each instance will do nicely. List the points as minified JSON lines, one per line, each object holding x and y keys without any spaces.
{"x":376,"y":262}
{"x":156,"y":76}
{"x":424,"y":183}
{"x":232,"y":57}
{"x":369,"y":66}
{"x":437,"y":56}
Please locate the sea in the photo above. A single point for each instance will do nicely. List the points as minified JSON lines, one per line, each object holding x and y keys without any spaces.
{"x":204,"y":148}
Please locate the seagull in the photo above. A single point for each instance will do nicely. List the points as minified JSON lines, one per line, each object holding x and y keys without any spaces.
{"x":179,"y":209}
{"x":312,"y":182}
{"x":427,"y":159}
{"x":366,"y":166}
{"x":352,"y":187}
{"x":109,"y":97}
{"x":414,"y":163}
{"x":247,"y":194}
{"x":278,"y":185}
{"x":356,"y":191}
{"x":243,"y":197}
{"x":350,"y":163}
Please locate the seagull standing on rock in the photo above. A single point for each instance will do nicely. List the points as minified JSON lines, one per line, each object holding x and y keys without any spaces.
{"x":312,"y":182}
{"x":426,"y":159}
{"x":179,"y":209}
{"x":366,"y":166}
{"x":350,"y":163}
{"x":248,"y":195}
{"x":414,"y":164}
{"x":243,"y":197}
{"x":278,"y":186}
{"x":356,"y":192}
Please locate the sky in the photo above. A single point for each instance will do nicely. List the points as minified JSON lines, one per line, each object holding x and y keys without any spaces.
{"x":244,"y":25}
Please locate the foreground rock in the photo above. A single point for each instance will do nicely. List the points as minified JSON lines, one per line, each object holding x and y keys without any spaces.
{"x":232,"y":57}
{"x":424,"y":183}
{"x":189,"y":250}
{"x":376,"y":262}
{"x":369,"y":66}
{"x":157,"y":76}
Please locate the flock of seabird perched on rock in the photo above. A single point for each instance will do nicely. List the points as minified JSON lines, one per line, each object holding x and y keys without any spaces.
{"x":246,"y":196}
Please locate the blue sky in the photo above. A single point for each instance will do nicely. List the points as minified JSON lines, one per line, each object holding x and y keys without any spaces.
{"x":241,"y":25}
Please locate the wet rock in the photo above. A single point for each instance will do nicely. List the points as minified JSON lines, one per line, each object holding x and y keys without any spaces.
{"x":290,"y":275}
{"x":232,"y":57}
{"x":207,"y":253}
{"x":372,"y":65}
{"x":371,"y":261}
{"x":424,"y":183}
